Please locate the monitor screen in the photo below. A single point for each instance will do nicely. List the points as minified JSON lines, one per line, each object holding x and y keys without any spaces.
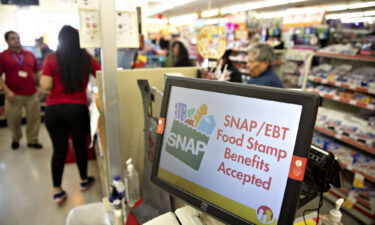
{"x":228,"y":148}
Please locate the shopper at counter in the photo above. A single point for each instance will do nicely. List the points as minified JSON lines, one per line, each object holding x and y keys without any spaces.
{"x":21,"y":72}
{"x":66,"y":74}
{"x":260,"y":60}
{"x":228,"y":70}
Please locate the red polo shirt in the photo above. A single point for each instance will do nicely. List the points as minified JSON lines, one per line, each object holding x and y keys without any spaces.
{"x":12,"y":63}
{"x":57,"y":95}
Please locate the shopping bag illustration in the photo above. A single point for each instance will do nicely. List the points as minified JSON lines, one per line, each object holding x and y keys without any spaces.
{"x":188,"y":139}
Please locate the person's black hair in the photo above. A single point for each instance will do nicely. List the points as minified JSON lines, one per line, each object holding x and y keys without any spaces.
{"x":227,"y":53}
{"x":6,"y":35}
{"x":74,"y":63}
{"x":183,"y":55}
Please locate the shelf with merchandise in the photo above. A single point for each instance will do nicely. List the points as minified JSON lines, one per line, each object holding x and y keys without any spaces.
{"x":347,"y":140}
{"x":358,"y":211}
{"x":345,"y":85}
{"x":349,"y":159}
{"x":344,"y":100}
{"x":346,"y":56}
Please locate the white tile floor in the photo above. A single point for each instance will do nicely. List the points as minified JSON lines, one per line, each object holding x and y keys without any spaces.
{"x":26,"y":185}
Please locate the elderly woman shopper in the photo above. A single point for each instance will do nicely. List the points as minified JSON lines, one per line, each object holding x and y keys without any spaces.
{"x":260,"y":60}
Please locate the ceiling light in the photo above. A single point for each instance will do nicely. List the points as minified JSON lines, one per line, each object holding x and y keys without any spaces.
{"x":159,"y":8}
{"x":344,"y":15}
{"x":210,"y":13}
{"x":331,"y":8}
{"x":369,"y":13}
{"x":358,"y":20}
{"x":361,"y":5}
{"x":255,"y":5}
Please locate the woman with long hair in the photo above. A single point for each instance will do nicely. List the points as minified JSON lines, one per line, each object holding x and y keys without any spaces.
{"x":180,"y":55}
{"x":66,"y":74}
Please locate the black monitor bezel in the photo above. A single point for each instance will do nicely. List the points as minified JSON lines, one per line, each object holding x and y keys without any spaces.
{"x":309,"y":102}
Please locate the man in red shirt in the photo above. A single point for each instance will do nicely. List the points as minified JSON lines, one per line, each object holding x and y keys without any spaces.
{"x":21,"y":69}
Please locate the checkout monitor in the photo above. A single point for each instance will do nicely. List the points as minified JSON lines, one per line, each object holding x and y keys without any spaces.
{"x":237,"y":152}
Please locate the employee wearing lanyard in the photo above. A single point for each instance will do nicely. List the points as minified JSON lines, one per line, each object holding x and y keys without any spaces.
{"x":20,"y":68}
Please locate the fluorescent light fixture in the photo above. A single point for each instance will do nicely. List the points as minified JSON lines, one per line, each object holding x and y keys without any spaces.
{"x":157,"y":21}
{"x":210,"y":13}
{"x":361,"y":5}
{"x":369,"y":13}
{"x":159,"y":8}
{"x":255,"y":5}
{"x":331,"y":8}
{"x":358,"y":20}
{"x":344,"y":15}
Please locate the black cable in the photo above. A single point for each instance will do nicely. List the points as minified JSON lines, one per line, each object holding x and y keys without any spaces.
{"x":326,"y":182}
{"x":311,"y":210}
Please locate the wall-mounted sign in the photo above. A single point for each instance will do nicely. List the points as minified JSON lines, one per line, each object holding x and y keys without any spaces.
{"x":89,"y":31}
{"x":211,"y":41}
{"x":303,"y":17}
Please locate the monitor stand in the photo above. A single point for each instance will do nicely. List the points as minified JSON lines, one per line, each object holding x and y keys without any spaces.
{"x":186,"y":215}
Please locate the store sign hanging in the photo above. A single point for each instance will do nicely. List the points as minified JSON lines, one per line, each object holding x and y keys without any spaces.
{"x":211,"y":41}
{"x":303,"y":17}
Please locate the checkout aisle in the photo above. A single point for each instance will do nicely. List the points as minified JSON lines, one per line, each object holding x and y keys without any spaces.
{"x":26,"y":185}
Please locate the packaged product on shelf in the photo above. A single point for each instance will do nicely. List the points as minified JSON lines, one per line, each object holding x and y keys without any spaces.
{"x":347,"y":125}
{"x":364,"y":164}
{"x":322,"y":70}
{"x":347,"y":49}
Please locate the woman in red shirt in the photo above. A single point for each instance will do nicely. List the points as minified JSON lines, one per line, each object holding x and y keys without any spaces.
{"x":66,"y":74}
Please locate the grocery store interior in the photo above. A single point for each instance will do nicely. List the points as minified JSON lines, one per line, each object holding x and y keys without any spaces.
{"x":321,"y":51}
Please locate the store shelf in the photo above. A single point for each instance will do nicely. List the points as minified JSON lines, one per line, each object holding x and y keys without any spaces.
{"x":346,"y":100}
{"x":342,"y":84}
{"x":367,"y":176}
{"x":358,"y":211}
{"x":345,"y":139}
{"x":361,"y":200}
{"x":343,"y":56}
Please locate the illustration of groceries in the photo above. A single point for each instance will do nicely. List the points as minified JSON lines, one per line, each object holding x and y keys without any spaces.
{"x":190,"y":133}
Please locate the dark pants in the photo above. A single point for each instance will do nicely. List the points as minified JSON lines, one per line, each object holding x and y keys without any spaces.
{"x":61,"y":121}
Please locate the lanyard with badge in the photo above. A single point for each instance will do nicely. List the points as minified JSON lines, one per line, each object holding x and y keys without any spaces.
{"x":19,"y":61}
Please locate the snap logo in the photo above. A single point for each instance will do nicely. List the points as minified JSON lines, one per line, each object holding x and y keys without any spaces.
{"x":265,"y":214}
{"x":190,"y":133}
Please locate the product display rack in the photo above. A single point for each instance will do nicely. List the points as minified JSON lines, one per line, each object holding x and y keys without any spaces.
{"x":347,"y":140}
{"x":295,"y":66}
{"x":362,"y":209}
{"x":348,"y":86}
{"x":344,"y":56}
{"x":345,"y":100}
{"x":358,"y":211}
